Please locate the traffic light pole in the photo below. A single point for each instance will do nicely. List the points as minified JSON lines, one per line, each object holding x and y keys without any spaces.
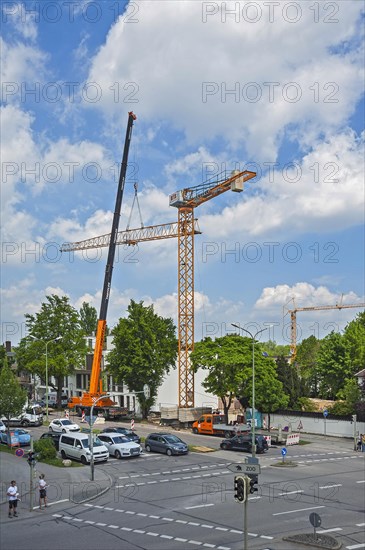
{"x":31,"y":473}
{"x":245,"y":544}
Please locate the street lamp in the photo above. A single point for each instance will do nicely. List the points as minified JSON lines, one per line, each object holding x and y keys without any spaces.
{"x":49,"y":341}
{"x":91,"y":440}
{"x":253,"y":336}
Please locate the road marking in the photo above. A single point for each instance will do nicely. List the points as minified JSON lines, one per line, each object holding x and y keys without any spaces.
{"x":300,"y":510}
{"x":291,"y":493}
{"x":199,"y":506}
{"x":330,"y":486}
{"x":360,"y":524}
{"x":183,"y":522}
{"x":362,"y":481}
{"x":353,"y":546}
{"x":329,"y":530}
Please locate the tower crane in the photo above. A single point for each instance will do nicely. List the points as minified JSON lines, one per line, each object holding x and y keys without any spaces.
{"x":184,"y":230}
{"x":293,"y":320}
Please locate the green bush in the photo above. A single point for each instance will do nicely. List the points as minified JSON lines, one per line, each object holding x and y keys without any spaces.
{"x":45,"y":449}
{"x":306,"y":405}
{"x":341,"y":408}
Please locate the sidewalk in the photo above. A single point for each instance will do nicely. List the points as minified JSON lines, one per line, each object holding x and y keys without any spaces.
{"x":65,"y":484}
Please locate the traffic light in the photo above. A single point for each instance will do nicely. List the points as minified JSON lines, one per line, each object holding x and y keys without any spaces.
{"x":240,"y":493}
{"x":253,"y":482}
{"x":31,"y":458}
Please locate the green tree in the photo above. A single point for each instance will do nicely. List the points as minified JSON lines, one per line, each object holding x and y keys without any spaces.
{"x":145,"y":349}
{"x":222,"y":358}
{"x":56,"y":318}
{"x":289,"y":377}
{"x":2,"y":356}
{"x":350,"y":394}
{"x":228,"y":361}
{"x":275,"y":350}
{"x":88,"y":319}
{"x":354,"y":338}
{"x":12,"y":396}
{"x":306,"y":360}
{"x":333,"y":365}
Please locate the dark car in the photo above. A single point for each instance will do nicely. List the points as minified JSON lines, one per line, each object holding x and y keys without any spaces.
{"x":54,"y":437}
{"x":124,"y":431}
{"x":165,"y":443}
{"x":244,"y":443}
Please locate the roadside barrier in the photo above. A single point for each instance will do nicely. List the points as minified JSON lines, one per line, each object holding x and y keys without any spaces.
{"x":268,"y":439}
{"x":292,"y":439}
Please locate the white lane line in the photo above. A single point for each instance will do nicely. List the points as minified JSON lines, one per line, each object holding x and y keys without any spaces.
{"x":329,"y":530}
{"x":360,"y":524}
{"x":330,"y":486}
{"x":362,"y":481}
{"x":354,"y":546}
{"x":199,"y":506}
{"x":291,"y":493}
{"x":299,"y":510}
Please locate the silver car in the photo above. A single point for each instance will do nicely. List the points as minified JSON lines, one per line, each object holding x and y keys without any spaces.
{"x":120,"y":446}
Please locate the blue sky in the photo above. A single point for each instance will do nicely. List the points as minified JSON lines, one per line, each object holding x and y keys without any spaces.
{"x":273,"y":88}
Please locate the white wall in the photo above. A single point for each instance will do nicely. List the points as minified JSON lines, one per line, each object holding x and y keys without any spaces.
{"x":330,"y":426}
{"x":168,"y":392}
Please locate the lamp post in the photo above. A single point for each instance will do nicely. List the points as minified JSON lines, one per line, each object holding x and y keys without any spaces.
{"x":91,"y":440}
{"x":253,"y":431}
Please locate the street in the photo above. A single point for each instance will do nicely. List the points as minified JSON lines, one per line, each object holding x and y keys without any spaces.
{"x":160,"y":502}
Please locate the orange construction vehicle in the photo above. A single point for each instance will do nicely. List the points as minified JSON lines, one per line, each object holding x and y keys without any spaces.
{"x":96,"y":393}
{"x":215,"y":424}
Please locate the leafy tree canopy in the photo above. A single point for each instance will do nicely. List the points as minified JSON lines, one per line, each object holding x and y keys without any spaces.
{"x":56,"y":328}
{"x":228,"y":360}
{"x":333,"y":365}
{"x":12,"y":396}
{"x":289,"y":377}
{"x":145,"y":349}
{"x":354,"y":339}
{"x":88,"y":319}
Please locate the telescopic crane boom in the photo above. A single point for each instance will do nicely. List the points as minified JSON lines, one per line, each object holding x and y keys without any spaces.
{"x":96,"y":389}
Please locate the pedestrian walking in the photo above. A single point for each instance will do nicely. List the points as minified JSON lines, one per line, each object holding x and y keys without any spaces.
{"x":359,"y":443}
{"x":42,"y":491}
{"x":13,"y":496}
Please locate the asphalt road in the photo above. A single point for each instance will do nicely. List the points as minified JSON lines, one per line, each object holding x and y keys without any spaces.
{"x":160,"y":502}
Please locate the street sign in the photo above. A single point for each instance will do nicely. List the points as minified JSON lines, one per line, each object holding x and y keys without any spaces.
{"x":283,"y":451}
{"x":245,"y":468}
{"x":325,"y":413}
{"x":315,"y":519}
{"x":19,"y":452}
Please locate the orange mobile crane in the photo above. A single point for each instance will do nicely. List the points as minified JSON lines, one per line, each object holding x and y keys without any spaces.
{"x":95,"y":392}
{"x":293,"y":321}
{"x":185,"y":229}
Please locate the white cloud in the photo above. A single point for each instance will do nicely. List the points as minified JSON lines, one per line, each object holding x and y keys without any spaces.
{"x":304,"y":294}
{"x":323,"y":192}
{"x":220,"y":55}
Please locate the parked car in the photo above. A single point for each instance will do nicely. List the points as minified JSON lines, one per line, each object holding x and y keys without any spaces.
{"x":22,"y":436}
{"x":244,"y":443}
{"x":2,"y":426}
{"x":63,"y":425}
{"x":165,"y":443}
{"x":54,"y":437}
{"x":119,"y":445}
{"x":124,"y":431}
{"x":76,"y":446}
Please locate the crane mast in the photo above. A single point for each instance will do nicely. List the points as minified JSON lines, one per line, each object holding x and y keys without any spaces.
{"x":185,"y":201}
{"x":96,"y":389}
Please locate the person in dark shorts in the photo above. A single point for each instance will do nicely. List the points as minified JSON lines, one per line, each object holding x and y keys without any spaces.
{"x":42,"y":491}
{"x":13,"y":495}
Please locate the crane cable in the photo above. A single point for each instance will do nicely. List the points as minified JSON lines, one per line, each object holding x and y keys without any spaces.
{"x":135,"y":200}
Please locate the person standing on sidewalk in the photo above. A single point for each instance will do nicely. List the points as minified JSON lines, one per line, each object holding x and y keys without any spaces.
{"x":42,"y":491}
{"x":363,"y":443}
{"x":13,"y":495}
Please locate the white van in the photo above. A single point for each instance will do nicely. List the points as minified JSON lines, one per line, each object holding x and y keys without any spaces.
{"x":52,"y":400}
{"x":29,"y":417}
{"x":76,"y":446}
